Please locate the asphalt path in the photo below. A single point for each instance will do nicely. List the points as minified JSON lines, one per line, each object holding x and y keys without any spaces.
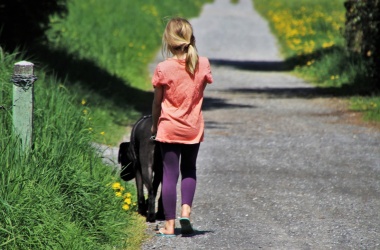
{"x":281,"y":167}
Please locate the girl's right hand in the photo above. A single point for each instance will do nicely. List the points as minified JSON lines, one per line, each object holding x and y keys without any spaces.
{"x":153,"y":130}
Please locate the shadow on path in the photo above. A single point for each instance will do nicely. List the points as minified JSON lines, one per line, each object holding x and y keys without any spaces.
{"x":253,"y":65}
{"x":177,"y":231}
{"x":211,"y":103}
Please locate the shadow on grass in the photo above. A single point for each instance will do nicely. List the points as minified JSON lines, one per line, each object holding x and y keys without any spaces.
{"x":93,"y":78}
{"x":112,"y":88}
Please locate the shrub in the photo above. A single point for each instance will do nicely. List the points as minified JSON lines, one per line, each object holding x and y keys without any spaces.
{"x":362,"y":33}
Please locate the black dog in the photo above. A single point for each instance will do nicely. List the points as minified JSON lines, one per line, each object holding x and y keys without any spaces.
{"x":141,"y":159}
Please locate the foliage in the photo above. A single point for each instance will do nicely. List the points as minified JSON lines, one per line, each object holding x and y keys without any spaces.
{"x":362,"y":33}
{"x":24,"y":21}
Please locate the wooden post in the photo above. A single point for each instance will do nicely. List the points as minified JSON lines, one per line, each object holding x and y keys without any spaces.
{"x":23,"y":101}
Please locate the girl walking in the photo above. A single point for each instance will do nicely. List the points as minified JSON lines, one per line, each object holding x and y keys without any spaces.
{"x":179,"y":83}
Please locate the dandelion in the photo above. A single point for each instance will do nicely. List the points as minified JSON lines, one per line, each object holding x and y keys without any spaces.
{"x":128,"y":201}
{"x":85,"y":111}
{"x":332,"y":77}
{"x":89,"y":129}
{"x":310,"y":62}
{"x":126,"y":207}
{"x":327,"y":44}
{"x":116,"y":186}
{"x":83,"y":102}
{"x":118,"y":194}
{"x":102,"y":133}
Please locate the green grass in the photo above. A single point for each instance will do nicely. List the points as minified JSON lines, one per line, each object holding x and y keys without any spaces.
{"x":310,"y":35}
{"x":92,"y":83}
{"x":58,"y":196}
{"x":370,"y":106}
{"x":105,"y":47}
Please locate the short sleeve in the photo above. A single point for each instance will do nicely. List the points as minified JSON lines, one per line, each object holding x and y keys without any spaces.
{"x":208,"y":76}
{"x":158,"y":77}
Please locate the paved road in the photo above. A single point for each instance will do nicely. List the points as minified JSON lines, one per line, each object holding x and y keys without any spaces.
{"x":281,"y":167}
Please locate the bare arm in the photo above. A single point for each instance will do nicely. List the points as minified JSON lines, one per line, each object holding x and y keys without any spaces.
{"x":156,"y":107}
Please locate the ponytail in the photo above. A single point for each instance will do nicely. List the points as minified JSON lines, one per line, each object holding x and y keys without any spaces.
{"x":192,"y":57}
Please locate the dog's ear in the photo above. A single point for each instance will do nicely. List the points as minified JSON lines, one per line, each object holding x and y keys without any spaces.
{"x":123,"y":158}
{"x":131,"y":152}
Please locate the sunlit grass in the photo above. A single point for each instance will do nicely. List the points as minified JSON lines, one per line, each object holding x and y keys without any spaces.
{"x":310,"y":35}
{"x":119,"y":38}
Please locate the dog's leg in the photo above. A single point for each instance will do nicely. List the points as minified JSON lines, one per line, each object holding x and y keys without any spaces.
{"x":147,"y":173}
{"x":140,"y":192}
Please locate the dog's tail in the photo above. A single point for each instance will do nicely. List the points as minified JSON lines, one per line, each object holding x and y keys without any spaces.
{"x":127,"y":170}
{"x":133,"y":147}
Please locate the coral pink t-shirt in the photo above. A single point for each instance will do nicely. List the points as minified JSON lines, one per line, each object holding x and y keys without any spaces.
{"x":181,"y":119}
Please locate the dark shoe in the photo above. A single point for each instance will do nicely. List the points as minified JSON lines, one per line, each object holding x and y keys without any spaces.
{"x":186,"y":227}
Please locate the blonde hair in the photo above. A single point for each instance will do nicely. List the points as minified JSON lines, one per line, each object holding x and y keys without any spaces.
{"x":178,"y":38}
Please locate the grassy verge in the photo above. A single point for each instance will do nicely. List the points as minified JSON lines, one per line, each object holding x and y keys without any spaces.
{"x":310,"y":37}
{"x":61,"y":195}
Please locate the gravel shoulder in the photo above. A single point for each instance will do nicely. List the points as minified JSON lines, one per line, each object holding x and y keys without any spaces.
{"x":281,"y":166}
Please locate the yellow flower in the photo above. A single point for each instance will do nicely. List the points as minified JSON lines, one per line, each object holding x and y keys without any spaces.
{"x":126,"y":207}
{"x":310,"y":62}
{"x":102,"y":133}
{"x":83,"y":102}
{"x":128,"y":201}
{"x":116,"y":185}
{"x":118,"y":194}
{"x":127,"y":195}
{"x":85,"y":111}
{"x":327,"y":44}
{"x":332,"y":77}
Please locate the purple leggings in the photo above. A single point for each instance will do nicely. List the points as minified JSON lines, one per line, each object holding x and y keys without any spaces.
{"x":171,"y":153}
